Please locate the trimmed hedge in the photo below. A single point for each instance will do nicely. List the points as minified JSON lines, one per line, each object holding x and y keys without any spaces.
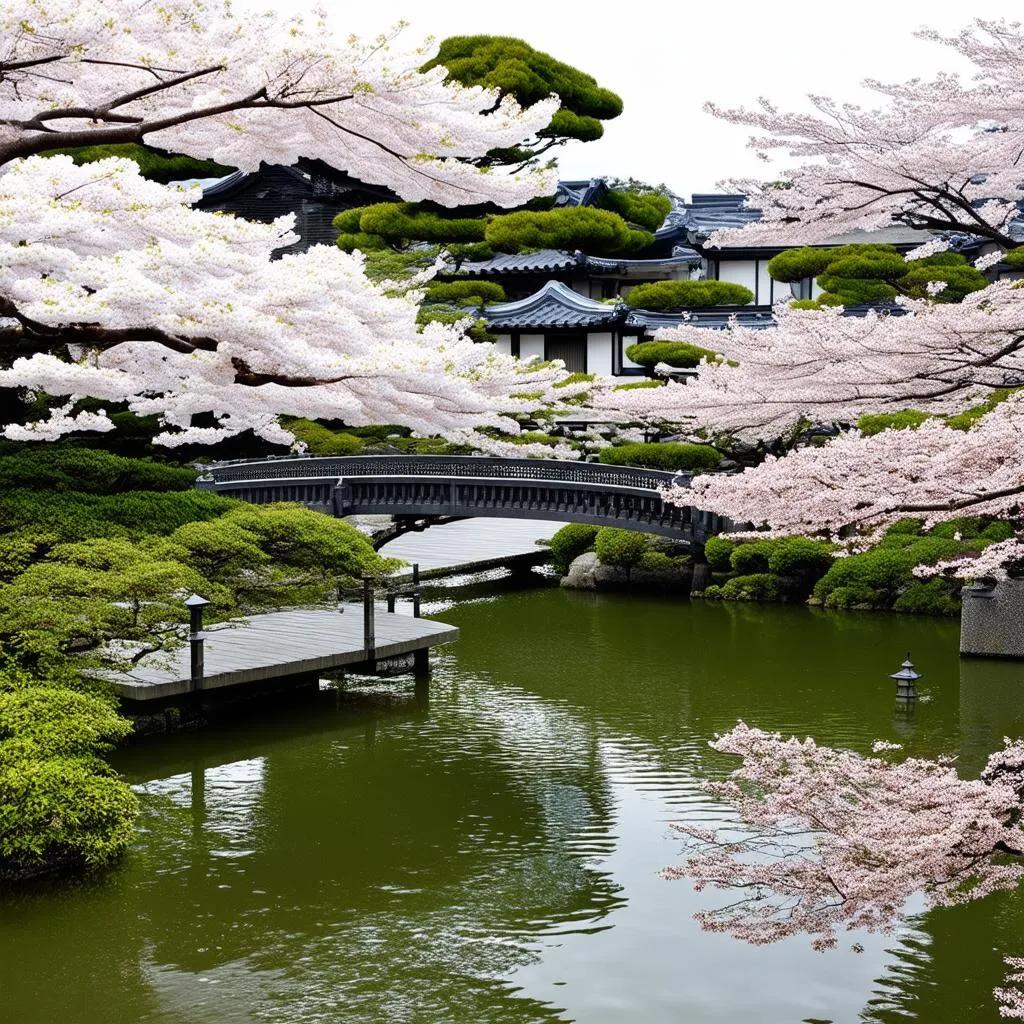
{"x":675,"y":353}
{"x":571,"y":541}
{"x":621,"y":548}
{"x":666,"y":296}
{"x":669,"y":456}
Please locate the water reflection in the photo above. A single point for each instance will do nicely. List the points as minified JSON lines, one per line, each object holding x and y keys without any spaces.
{"x":491,"y":855}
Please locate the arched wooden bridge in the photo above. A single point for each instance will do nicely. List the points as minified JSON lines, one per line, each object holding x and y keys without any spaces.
{"x":436,"y":487}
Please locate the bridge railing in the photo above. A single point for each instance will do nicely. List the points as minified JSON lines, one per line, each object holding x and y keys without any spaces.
{"x":448,"y":466}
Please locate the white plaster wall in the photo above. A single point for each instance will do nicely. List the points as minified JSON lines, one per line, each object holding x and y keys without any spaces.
{"x":531,"y":345}
{"x":503,"y":343}
{"x":739,"y":272}
{"x":626,"y":342}
{"x":599,"y":353}
{"x":763,"y":295}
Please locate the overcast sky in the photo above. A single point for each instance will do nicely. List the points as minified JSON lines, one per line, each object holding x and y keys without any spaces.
{"x":666,"y":59}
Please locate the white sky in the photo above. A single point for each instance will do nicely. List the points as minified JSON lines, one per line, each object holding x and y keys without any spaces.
{"x":666,"y":59}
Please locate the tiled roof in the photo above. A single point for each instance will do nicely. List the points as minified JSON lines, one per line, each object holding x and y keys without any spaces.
{"x":540,"y":262}
{"x":555,"y":305}
{"x":578,"y":193}
{"x":547,"y":261}
{"x":714,"y":319}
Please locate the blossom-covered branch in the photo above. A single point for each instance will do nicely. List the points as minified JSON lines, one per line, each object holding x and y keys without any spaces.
{"x":941,"y":154}
{"x":830,"y":841}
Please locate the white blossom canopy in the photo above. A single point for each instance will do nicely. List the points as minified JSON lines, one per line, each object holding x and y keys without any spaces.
{"x":180,"y":312}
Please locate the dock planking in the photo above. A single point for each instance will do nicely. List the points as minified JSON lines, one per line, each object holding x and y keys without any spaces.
{"x":279,"y":644}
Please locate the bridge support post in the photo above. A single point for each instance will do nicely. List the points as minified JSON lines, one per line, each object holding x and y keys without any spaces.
{"x":416,"y":592}
{"x":369,"y":631}
{"x":391,"y":602}
{"x":701,"y":577}
{"x":421,"y":663}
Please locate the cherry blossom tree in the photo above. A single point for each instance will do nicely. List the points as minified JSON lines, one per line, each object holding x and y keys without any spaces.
{"x":113,"y":287}
{"x":827,"y":841}
{"x":863,"y":170}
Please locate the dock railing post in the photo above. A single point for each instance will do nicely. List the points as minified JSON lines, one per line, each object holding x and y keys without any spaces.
{"x":195,"y":605}
{"x":416,"y":591}
{"x":369,"y":634}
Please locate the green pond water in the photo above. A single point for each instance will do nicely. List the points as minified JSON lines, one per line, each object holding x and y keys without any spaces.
{"x":491,"y":853}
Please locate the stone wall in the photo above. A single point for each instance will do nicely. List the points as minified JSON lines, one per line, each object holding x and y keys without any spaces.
{"x":992,"y":620}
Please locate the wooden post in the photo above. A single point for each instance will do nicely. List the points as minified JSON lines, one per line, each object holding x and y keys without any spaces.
{"x":421,"y":663}
{"x":369,"y":635}
{"x":391,"y":602}
{"x":195,"y":605}
{"x":416,"y":592}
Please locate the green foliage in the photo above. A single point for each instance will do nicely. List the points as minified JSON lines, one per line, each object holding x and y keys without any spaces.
{"x":718,"y":552}
{"x":853,"y":275}
{"x":759,"y":586}
{"x":666,"y":296}
{"x":639,"y":384}
{"x":660,"y":561}
{"x":63,"y":467}
{"x":880,"y":576}
{"x":59,"y":802}
{"x":668,"y":456}
{"x":155,"y":164}
{"x":465,"y":293}
{"x":321,"y":440}
{"x":967,"y":419}
{"x":402,"y":222}
{"x":751,"y":557}
{"x":674,"y":353}
{"x":800,"y":557}
{"x":571,"y":541}
{"x":645,"y":209}
{"x":905,"y":419}
{"x":928,"y":597}
{"x":621,"y":548}
{"x":599,"y":232}
{"x":515,"y":69}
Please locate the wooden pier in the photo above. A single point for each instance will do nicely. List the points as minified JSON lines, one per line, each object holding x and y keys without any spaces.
{"x":284,"y":644}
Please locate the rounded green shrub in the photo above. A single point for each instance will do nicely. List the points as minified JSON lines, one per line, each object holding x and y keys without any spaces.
{"x":928,"y":597}
{"x":669,"y":456}
{"x":761,"y":586}
{"x":599,"y":232}
{"x":668,"y":296}
{"x":800,"y":557}
{"x":645,"y":209}
{"x":571,"y":541}
{"x":468,"y":292}
{"x":751,"y":557}
{"x":621,"y":548}
{"x":674,"y":353}
{"x":718,"y":551}
{"x":658,"y":561}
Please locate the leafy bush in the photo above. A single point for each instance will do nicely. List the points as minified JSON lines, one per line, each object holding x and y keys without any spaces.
{"x":322,"y":441}
{"x":718,"y":551}
{"x":662,"y":296}
{"x":600,"y":232}
{"x":465,"y":293}
{"x":751,"y":557}
{"x":621,"y":548}
{"x":800,"y":557}
{"x":646,"y":210}
{"x":675,"y":353}
{"x":571,"y":541}
{"x":659,"y":561}
{"x":760,"y":586}
{"x":669,"y":456}
{"x":905,"y":419}
{"x":928,"y":597}
{"x":62,"y":467}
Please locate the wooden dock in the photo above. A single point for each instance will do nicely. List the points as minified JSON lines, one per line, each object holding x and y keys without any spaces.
{"x":281,"y":644}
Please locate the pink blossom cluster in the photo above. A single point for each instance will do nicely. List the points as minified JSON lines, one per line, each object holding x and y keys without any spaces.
{"x":828,"y":840}
{"x":939,"y":154}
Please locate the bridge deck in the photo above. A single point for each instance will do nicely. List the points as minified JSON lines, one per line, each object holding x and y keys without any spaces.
{"x":278,"y":644}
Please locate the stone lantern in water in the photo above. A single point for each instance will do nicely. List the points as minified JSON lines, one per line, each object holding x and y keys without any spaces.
{"x":906,"y":680}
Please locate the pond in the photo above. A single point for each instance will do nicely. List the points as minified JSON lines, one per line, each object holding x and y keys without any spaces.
{"x":489,"y":852}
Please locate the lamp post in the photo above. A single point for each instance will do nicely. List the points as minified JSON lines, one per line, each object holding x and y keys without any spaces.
{"x":906,"y":679}
{"x":195,"y":605}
